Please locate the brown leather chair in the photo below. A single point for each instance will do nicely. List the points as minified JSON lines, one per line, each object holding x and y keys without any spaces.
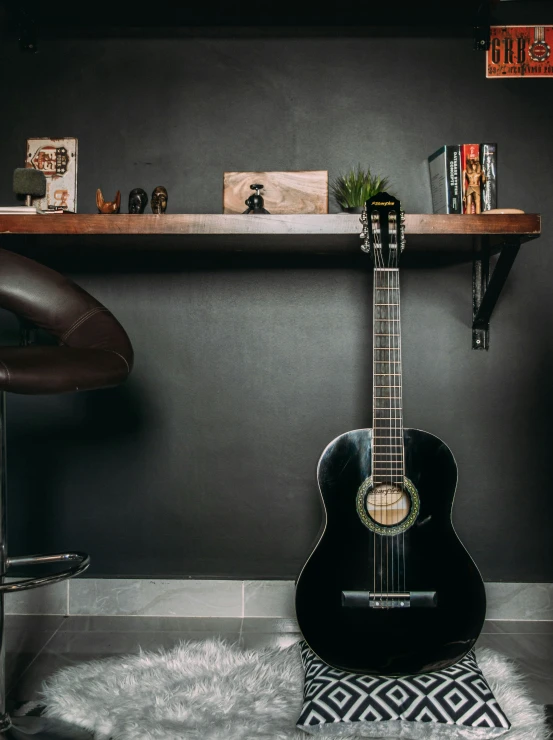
{"x":93,"y":351}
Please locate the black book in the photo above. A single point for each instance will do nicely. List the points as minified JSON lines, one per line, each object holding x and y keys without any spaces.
{"x":445,"y":179}
{"x":488,"y":160}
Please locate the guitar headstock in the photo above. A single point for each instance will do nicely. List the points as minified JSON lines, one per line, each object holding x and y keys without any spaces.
{"x":383,"y":230}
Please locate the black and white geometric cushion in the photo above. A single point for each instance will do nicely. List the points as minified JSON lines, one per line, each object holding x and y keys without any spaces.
{"x":458,"y":700}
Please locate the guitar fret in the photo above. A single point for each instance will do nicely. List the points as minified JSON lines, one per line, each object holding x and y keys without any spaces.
{"x":386,"y":304}
{"x":392,"y":476}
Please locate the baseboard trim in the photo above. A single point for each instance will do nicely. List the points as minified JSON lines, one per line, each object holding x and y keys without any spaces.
{"x":220,"y":598}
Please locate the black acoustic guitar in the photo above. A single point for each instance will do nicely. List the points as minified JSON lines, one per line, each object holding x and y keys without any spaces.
{"x":389,"y":588}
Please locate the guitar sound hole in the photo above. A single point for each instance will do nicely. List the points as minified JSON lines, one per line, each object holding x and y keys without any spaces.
{"x":387,"y":504}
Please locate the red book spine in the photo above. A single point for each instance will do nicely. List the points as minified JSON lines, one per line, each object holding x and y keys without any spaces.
{"x":470,"y":153}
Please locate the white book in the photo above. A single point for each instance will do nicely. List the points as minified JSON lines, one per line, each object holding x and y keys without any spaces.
{"x":18,"y":210}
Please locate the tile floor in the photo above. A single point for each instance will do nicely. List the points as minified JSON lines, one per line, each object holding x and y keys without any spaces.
{"x":38,"y":645}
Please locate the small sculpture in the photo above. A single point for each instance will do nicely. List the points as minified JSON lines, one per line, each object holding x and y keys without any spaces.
{"x":476,"y":177}
{"x":108,"y":206}
{"x":159,"y":200}
{"x":255,"y":202}
{"x":138,"y":200}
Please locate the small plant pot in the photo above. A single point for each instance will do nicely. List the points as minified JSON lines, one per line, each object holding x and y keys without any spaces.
{"x":353,"y":209}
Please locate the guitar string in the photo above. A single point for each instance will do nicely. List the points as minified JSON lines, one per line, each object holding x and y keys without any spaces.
{"x":398,"y":426}
{"x":400,"y":395}
{"x":392,"y":395}
{"x":375,"y":284}
{"x":400,"y":383}
{"x":388,"y":487}
{"x":399,"y":391}
{"x":396,"y":330}
{"x":378,"y":255}
{"x":392,"y":300}
{"x":386,"y":484}
{"x":377,"y":343}
{"x":389,"y":313}
{"x":376,"y":499}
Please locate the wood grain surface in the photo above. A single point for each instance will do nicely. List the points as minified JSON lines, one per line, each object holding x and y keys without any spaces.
{"x":283,"y":192}
{"x":528,"y":224}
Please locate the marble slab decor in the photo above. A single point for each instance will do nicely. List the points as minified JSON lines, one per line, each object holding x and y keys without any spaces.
{"x":153,"y":598}
{"x":218,"y":598}
{"x":522,"y":601}
{"x":51,"y":599}
{"x":269,"y":599}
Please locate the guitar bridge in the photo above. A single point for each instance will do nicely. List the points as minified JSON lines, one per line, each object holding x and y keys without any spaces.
{"x":389,"y":599}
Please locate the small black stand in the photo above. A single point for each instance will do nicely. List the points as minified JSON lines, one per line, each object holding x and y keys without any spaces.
{"x":255,"y":202}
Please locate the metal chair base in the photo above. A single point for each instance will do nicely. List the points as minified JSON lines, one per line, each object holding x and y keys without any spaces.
{"x":39,"y":728}
{"x":81,"y":559}
{"x":20,"y":727}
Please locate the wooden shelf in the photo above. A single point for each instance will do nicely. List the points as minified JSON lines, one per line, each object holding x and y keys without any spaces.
{"x":431,"y":239}
{"x":333,"y":233}
{"x":332,"y":223}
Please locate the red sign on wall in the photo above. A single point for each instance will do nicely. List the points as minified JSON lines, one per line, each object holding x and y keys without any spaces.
{"x":520,"y":51}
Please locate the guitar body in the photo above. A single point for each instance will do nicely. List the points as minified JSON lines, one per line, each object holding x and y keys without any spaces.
{"x":426,"y":558}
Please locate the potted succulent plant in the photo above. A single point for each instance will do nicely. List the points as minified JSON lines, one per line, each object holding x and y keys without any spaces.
{"x":352,"y":189}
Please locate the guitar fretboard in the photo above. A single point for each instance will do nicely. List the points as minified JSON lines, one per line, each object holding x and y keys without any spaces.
{"x":388,"y":458}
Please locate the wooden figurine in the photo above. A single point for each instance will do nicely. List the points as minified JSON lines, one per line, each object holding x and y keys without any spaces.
{"x":138,"y":200}
{"x":108,"y":206}
{"x":159,"y":199}
{"x":474,"y":177}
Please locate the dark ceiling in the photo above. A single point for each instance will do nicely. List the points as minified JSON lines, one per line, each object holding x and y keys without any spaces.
{"x":26,"y":23}
{"x":94,"y":17}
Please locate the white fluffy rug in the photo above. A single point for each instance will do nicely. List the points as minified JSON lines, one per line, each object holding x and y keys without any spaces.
{"x":216,"y":691}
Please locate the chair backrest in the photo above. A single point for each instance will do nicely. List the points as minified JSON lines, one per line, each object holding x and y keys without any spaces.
{"x":94,"y":350}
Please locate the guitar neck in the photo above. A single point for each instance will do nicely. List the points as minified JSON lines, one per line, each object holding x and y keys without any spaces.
{"x":388,"y":456}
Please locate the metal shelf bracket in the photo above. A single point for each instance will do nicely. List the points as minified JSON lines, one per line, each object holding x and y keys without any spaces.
{"x":485,"y":289}
{"x":482,"y":27}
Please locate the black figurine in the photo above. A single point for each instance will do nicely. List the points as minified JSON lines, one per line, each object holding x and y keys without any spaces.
{"x":255,"y":202}
{"x":159,"y":200}
{"x":138,"y":200}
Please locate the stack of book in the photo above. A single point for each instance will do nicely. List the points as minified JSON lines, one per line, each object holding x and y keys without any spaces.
{"x":463,"y":178}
